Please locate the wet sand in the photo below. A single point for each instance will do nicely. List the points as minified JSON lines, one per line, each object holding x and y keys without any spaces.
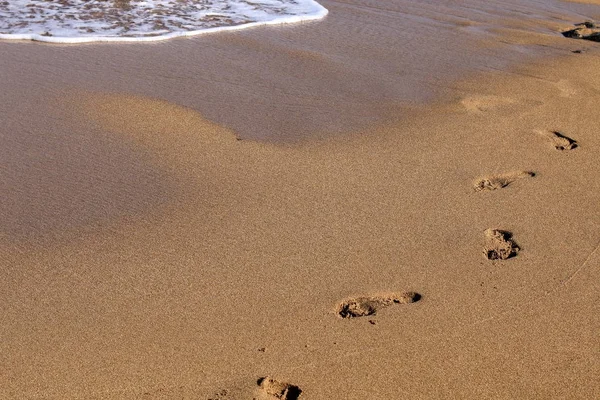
{"x":159,"y":241}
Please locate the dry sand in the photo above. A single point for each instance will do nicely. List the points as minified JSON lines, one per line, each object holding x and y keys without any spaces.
{"x":149,"y":252}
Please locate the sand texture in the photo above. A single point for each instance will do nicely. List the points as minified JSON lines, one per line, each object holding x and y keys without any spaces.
{"x":175,"y":240}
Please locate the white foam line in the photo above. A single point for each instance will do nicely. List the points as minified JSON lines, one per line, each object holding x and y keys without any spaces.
{"x":320,"y":13}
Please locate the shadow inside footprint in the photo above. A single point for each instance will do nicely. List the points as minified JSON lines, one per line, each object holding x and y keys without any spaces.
{"x":279,"y":390}
{"x":369,"y":305}
{"x":499,"y":245}
{"x":499,"y":181}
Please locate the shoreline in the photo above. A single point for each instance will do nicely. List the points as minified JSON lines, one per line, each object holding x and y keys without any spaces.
{"x":303,"y":81}
{"x":320,"y":13}
{"x":162,"y":257}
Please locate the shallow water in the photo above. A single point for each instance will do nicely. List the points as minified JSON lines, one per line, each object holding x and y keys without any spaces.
{"x":70,"y":21}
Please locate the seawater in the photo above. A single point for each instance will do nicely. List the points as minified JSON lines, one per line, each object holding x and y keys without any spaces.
{"x":77,"y":21}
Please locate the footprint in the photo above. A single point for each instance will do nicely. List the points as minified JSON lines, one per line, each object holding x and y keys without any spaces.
{"x":566,"y":88}
{"x":585,"y":30}
{"x":369,"y":305}
{"x":499,"y":245}
{"x":479,"y":104}
{"x":499,"y":181}
{"x":558,"y":140}
{"x":278,"y":390}
{"x":484,"y":103}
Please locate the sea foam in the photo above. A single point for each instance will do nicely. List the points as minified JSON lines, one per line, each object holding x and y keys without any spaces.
{"x":79,"y":21}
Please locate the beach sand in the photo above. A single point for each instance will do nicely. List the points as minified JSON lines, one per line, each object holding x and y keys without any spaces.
{"x":162,"y":242}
